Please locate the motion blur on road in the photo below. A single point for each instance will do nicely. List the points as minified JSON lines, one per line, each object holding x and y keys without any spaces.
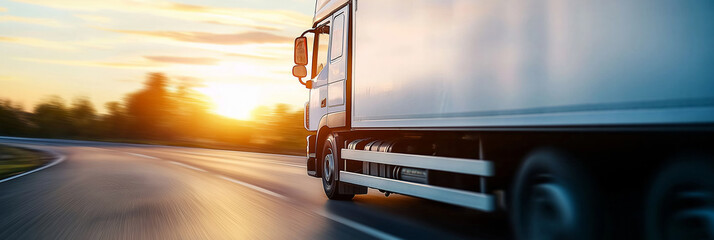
{"x":129,"y":191}
{"x":403,"y":119}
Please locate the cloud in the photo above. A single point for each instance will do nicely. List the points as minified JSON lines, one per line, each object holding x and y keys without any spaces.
{"x":213,"y":38}
{"x":188,"y":7}
{"x":190,"y":82}
{"x":144,"y":64}
{"x":251,"y":56}
{"x":261,"y":19}
{"x":276,"y":16}
{"x":36,"y":21}
{"x":36,"y":42}
{"x":183,"y":60}
{"x":126,"y":64}
{"x":7,"y":78}
{"x":93,"y":18}
{"x":267,"y":28}
{"x":2,"y":9}
{"x":147,"y":62}
{"x":84,"y":5}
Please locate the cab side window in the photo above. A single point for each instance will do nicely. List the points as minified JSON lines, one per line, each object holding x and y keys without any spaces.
{"x":322,"y":41}
{"x":338,"y":35}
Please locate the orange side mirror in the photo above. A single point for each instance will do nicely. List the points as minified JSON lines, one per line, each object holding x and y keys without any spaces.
{"x":301,"y":51}
{"x":299,"y":71}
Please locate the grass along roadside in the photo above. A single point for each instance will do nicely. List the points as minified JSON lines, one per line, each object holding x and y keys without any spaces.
{"x":286,"y":149}
{"x":14,"y":160}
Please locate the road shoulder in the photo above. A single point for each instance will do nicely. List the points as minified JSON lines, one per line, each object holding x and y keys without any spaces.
{"x":18,"y":161}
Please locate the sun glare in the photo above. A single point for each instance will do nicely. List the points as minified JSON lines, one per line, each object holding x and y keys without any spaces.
{"x":232,"y":100}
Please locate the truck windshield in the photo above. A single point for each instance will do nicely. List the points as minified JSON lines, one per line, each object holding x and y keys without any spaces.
{"x":323,"y":40}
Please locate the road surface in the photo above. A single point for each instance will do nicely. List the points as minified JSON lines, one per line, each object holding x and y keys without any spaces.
{"x":130,"y":191}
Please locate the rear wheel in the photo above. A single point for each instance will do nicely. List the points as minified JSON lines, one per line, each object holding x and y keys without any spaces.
{"x":554,"y":198}
{"x":680,"y":203}
{"x":330,"y":170}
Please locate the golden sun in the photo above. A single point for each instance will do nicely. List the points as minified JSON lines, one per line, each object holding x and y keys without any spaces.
{"x":232,"y":100}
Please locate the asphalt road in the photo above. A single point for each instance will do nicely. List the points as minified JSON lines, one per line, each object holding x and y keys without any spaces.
{"x":129,"y":191}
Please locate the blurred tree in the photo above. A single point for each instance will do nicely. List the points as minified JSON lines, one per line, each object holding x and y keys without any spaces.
{"x":191,"y":112}
{"x":11,"y":122}
{"x":279,"y":127}
{"x":261,"y":114}
{"x":83,"y":117}
{"x":292,"y":128}
{"x":115,"y":123}
{"x":154,"y":112}
{"x":52,"y":118}
{"x":262,"y":117}
{"x":280,"y":123}
{"x":151,"y":109}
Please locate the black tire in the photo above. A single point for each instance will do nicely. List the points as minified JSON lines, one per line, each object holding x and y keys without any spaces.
{"x":680,"y":201}
{"x":329,"y":166}
{"x":554,"y":197}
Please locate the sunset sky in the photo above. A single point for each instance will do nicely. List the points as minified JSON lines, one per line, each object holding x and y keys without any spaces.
{"x":231,"y":50}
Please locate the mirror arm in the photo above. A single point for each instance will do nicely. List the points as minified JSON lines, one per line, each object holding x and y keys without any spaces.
{"x":311,"y":30}
{"x":307,"y":84}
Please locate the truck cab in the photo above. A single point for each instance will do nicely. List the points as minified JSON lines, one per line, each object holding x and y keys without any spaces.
{"x":328,"y":68}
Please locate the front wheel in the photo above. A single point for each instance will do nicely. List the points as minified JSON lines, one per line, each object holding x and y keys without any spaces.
{"x":330,"y":169}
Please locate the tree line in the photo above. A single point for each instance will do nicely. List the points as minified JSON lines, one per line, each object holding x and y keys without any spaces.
{"x":156,"y":114}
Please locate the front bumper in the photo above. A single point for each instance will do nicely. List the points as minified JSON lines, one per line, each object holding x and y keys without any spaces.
{"x":311,"y":164}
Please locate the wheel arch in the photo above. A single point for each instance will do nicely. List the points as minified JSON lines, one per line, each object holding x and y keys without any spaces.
{"x":322,"y":133}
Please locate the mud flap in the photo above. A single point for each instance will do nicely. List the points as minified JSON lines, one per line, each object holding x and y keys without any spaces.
{"x":310,"y":165}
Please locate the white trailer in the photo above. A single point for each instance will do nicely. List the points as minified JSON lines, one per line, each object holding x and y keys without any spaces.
{"x":581,"y":119}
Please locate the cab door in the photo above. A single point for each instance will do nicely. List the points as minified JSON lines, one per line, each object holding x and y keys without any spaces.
{"x":330,"y":68}
{"x":320,"y":74}
{"x":338,"y":61}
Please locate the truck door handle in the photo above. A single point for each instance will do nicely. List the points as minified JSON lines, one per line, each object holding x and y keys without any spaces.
{"x":323,"y":103}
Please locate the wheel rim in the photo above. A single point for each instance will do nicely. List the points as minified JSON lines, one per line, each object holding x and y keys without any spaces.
{"x":550,"y":212}
{"x":328,"y":167}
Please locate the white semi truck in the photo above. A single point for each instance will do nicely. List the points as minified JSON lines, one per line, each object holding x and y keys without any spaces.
{"x":579,"y":119}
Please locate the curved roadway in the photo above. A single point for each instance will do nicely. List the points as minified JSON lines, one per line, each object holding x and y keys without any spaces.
{"x":131,"y":191}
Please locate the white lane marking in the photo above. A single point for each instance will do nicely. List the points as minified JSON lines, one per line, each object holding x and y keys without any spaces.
{"x":203,"y":154}
{"x":220,"y":156}
{"x":55,"y":162}
{"x":141,"y":155}
{"x":251,"y":186}
{"x":188,"y":166}
{"x":235,"y":151}
{"x":276,"y":162}
{"x":289,"y":165}
{"x":361,"y":227}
